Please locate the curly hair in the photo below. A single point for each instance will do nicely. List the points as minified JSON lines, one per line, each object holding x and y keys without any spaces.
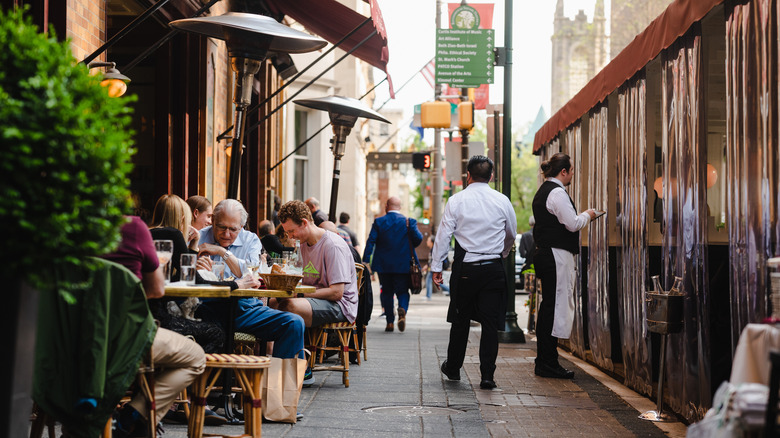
{"x":295,"y":211}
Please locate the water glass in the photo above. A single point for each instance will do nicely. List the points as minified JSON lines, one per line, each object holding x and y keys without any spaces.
{"x":219,"y":270}
{"x":188,"y":269}
{"x":164,"y":249}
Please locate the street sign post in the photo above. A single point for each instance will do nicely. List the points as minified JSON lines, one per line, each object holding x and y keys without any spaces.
{"x":464,"y":58}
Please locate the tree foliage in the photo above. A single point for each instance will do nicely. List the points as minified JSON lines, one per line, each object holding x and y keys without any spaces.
{"x":65,"y":154}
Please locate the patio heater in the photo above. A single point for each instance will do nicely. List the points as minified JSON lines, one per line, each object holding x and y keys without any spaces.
{"x":249,"y":39}
{"x":343,"y":113}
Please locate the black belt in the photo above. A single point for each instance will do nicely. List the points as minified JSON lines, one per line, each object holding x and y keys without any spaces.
{"x":482,"y":262}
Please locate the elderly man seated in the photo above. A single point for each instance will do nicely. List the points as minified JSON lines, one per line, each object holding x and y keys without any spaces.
{"x":227,"y":240}
{"x":328,"y":266}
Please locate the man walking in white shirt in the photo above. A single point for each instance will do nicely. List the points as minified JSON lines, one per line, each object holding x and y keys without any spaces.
{"x":484,"y":225}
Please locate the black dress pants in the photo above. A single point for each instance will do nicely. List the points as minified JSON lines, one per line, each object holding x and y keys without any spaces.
{"x":479,"y":294}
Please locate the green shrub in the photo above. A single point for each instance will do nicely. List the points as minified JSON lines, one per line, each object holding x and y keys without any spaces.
{"x":65,"y":151}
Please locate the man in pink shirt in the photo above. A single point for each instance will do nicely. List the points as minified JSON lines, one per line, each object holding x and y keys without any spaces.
{"x":327,"y":265}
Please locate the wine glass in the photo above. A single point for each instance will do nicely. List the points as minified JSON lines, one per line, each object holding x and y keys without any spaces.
{"x":164,"y":249}
{"x":253,"y":265}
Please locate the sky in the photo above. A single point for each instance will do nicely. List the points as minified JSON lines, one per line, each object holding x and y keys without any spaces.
{"x":411,"y":32}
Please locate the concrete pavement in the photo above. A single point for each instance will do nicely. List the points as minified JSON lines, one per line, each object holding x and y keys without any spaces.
{"x":400,"y":392}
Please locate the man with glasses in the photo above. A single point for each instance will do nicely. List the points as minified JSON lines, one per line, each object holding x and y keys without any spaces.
{"x":227,"y":240}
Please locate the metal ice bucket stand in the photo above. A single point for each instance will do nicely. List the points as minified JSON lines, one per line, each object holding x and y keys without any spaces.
{"x":664,"y":316}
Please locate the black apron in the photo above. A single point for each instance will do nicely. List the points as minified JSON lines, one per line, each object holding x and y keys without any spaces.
{"x":460,"y":309}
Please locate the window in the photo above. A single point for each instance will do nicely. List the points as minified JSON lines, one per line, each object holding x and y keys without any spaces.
{"x":301,"y":159}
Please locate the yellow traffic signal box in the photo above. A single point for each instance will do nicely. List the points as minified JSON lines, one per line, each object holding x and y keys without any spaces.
{"x":435,"y":114}
{"x":466,"y":115}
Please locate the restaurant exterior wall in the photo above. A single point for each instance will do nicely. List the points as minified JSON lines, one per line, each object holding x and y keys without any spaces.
{"x":85,"y":26}
{"x":687,"y":162}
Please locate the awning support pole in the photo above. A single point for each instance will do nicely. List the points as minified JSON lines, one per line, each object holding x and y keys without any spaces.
{"x":281,"y":105}
{"x":270,"y":169}
{"x":133,"y":24}
{"x":224,"y":135}
{"x":164,"y":39}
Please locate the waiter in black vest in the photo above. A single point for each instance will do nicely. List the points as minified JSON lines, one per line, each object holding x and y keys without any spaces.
{"x":557,"y":238}
{"x":484,"y":225}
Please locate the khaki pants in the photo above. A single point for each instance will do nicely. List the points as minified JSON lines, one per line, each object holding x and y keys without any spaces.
{"x":177,"y":361}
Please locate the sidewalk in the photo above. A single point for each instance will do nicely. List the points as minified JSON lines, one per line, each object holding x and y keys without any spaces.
{"x":402,"y":376}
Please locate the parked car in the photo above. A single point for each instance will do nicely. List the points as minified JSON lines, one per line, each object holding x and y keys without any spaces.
{"x":519,"y":262}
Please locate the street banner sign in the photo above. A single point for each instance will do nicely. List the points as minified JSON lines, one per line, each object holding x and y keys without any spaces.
{"x":464,"y":58}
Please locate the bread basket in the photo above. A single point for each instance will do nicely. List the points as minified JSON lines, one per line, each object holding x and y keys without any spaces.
{"x":281,"y":281}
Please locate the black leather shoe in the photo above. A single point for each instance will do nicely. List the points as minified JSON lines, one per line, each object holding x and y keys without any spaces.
{"x":558,"y":372}
{"x":452,"y":375}
{"x":487,"y":384}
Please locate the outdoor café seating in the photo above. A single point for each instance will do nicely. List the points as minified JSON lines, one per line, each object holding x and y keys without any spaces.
{"x":345,"y":331}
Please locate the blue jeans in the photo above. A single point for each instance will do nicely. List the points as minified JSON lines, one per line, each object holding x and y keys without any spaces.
{"x":393,"y":284}
{"x":429,"y":285}
{"x":284,"y":328}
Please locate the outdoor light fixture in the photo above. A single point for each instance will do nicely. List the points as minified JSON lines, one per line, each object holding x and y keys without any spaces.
{"x":249,"y":39}
{"x":113,"y":80}
{"x":343,"y":112}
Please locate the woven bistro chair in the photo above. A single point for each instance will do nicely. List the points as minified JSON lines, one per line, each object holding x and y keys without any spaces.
{"x":249,"y":374}
{"x":318,"y":340}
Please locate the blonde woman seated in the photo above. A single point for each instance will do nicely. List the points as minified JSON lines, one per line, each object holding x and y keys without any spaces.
{"x":172,"y":220}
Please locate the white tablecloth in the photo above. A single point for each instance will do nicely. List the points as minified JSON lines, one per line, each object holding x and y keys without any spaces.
{"x":751,"y":360}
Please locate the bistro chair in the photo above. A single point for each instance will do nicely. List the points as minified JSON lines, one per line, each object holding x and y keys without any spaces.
{"x":249,"y":374}
{"x":318,"y":340}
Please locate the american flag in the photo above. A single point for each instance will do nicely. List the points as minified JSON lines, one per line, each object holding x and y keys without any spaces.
{"x":429,"y":73}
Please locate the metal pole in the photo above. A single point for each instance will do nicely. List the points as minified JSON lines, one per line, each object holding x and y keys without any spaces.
{"x":340,"y":133}
{"x":464,"y":143}
{"x":246,"y":69}
{"x":138,"y":20}
{"x":436,"y":173}
{"x":512,"y":332}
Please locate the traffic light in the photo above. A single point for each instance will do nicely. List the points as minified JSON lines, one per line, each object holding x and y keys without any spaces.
{"x":421,"y":160}
{"x":466,"y":115}
{"x":435,"y":114}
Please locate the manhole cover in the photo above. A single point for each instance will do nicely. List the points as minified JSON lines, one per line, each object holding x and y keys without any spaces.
{"x":412,"y":411}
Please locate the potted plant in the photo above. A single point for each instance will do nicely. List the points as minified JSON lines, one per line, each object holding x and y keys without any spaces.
{"x":65,"y":154}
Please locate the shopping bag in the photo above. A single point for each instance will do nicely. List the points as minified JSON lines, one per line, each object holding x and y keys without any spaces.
{"x":282,"y":382}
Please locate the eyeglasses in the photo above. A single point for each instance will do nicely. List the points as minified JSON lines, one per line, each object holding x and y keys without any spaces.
{"x":224,"y":228}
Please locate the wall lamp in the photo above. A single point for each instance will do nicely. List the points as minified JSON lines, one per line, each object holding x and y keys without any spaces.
{"x":113,"y":80}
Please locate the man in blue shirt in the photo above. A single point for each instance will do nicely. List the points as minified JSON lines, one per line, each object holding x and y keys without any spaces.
{"x":227,"y":240}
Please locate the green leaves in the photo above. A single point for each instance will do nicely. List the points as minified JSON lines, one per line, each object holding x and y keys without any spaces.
{"x":65,"y":149}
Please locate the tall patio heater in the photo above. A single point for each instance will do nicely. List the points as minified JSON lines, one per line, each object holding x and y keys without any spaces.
{"x":343,"y":112}
{"x":249,"y":39}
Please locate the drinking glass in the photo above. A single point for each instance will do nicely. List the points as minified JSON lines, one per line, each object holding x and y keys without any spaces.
{"x":164,"y":249}
{"x":253,"y":265}
{"x":188,"y":268}
{"x":219,"y":270}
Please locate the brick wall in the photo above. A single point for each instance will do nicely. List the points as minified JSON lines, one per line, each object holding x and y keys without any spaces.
{"x":86,"y":26}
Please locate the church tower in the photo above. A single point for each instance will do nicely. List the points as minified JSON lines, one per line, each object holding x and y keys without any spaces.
{"x":579,"y":50}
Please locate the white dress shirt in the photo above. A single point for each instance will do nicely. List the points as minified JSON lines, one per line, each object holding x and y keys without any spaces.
{"x":559,"y":204}
{"x":483,"y":222}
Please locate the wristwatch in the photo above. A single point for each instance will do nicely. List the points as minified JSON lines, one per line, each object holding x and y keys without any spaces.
{"x":226,"y":255}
